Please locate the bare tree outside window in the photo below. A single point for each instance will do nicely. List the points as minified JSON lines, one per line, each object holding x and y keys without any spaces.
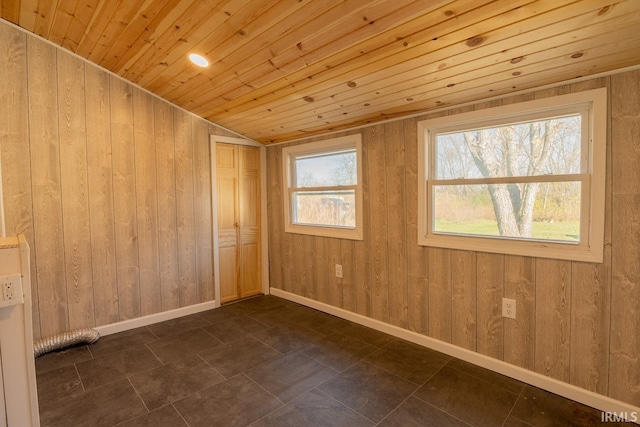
{"x":513,"y":209}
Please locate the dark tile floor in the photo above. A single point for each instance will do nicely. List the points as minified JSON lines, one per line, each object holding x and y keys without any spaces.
{"x":269,"y":362}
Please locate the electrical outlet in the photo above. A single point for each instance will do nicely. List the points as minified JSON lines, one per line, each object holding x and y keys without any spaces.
{"x":11,"y":286}
{"x":8,"y":293}
{"x":339,"y":271}
{"x":509,"y":308}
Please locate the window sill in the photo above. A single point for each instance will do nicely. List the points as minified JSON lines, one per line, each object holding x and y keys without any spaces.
{"x":538,"y":249}
{"x":336,"y":233}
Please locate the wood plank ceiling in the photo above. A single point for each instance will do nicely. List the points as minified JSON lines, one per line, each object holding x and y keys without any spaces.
{"x":284,"y":69}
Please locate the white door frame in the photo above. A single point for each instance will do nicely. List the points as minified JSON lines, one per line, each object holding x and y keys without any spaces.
{"x":264,"y":235}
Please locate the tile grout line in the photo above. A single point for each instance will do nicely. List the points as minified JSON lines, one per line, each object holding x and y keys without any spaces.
{"x":264,"y":389}
{"x":515,"y":402}
{"x":138,"y":394}
{"x":442,"y":409}
{"x":179,"y":414}
{"x":84,"y":390}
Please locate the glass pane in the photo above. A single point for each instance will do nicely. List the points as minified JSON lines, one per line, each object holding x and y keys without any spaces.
{"x":327,"y":170}
{"x":541,"y":211}
{"x":329,"y":208}
{"x":543,"y":147}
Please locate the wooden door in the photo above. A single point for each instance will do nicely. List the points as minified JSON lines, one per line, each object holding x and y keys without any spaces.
{"x":238,"y":186}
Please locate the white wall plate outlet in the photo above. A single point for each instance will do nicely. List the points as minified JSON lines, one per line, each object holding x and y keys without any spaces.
{"x":11,"y":287}
{"x":509,"y":308}
{"x":339,"y":271}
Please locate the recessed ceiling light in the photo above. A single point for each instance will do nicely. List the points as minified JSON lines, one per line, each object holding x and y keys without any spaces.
{"x":199,"y":60}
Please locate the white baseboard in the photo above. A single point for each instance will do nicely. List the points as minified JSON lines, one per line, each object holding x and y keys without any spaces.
{"x":138,"y":322}
{"x":569,"y":391}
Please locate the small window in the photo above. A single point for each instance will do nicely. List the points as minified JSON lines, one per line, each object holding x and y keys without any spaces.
{"x":527,"y":179}
{"x":323,"y":182}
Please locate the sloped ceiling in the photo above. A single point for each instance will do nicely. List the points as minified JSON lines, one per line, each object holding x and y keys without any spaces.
{"x":291,"y":68}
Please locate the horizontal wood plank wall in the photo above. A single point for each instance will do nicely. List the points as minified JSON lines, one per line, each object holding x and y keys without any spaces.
{"x":110,"y":185}
{"x":566,"y":327}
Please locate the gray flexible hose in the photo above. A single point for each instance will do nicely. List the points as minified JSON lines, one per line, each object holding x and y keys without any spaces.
{"x":65,"y":339}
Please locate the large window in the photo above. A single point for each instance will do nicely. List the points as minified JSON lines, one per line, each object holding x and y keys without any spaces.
{"x":525,"y":179}
{"x":323,"y":184}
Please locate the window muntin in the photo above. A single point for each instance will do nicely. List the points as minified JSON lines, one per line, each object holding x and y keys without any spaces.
{"x":324,"y":191}
{"x":526,"y":179}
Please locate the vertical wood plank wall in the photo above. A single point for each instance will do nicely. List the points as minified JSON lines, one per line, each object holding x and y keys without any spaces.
{"x":110,"y":185}
{"x":577,"y":322}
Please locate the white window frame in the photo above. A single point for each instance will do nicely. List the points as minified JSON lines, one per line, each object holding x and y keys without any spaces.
{"x":322,"y":147}
{"x":593,"y":104}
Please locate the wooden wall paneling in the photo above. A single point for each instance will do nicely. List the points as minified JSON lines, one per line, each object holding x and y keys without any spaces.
{"x":591,"y":295}
{"x":335,"y":283}
{"x":625,"y":132}
{"x":361,"y":259}
{"x":394,"y":142}
{"x":308,"y":285}
{"x":14,"y":150}
{"x":147,"y":202}
{"x":276,"y":216}
{"x":553,"y":322}
{"x":378,"y":252}
{"x":417,"y":262}
{"x":167,"y":207}
{"x":217,"y":130}
{"x":624,"y":374}
{"x":185,"y":216}
{"x":463,"y":299}
{"x":298,"y":263}
{"x":322,"y":271}
{"x":101,"y":198}
{"x":202,"y":206}
{"x":349,"y":300}
{"x":46,"y":187}
{"x":124,"y":199}
{"x":440,"y":293}
{"x":287,"y":251}
{"x":75,"y":197}
{"x":519,"y":333}
{"x":590,"y":324}
{"x":490,"y":288}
